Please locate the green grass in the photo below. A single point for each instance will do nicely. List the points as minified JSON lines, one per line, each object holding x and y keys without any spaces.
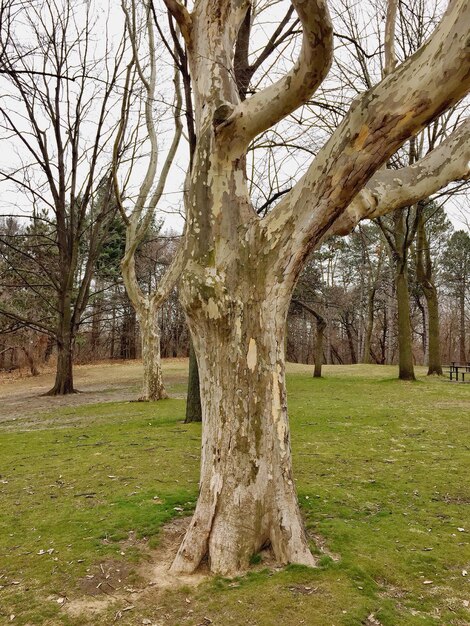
{"x":383,"y":476}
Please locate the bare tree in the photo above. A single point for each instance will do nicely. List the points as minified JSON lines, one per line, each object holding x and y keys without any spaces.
{"x":142,"y":213}
{"x":57,"y":110}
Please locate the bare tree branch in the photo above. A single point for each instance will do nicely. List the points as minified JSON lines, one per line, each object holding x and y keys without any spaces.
{"x":389,"y":190}
{"x":182,"y":17}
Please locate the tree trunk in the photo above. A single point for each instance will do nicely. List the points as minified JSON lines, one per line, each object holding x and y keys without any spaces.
{"x":96,"y":323}
{"x":462,"y":334}
{"x":237,"y":272}
{"x":247,"y":496}
{"x":128,"y":348}
{"x":321,"y":325}
{"x":65,"y":343}
{"x":405,"y":347}
{"x":49,"y":348}
{"x":193,"y":399}
{"x":152,"y":385}
{"x":28,"y":352}
{"x":113,"y":334}
{"x":369,"y":326}
{"x":424,"y":274}
{"x":388,"y":328}
{"x":64,"y":371}
{"x":434,"y":350}
{"x":352,"y":350}
{"x":425,"y":323}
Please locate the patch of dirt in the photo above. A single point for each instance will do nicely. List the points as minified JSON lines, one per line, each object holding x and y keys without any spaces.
{"x":157,"y":569}
{"x":107,"y":583}
{"x":104,"y":579}
{"x":453,"y":499}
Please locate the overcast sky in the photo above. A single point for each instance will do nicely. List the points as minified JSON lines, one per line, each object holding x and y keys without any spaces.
{"x":292,"y":163}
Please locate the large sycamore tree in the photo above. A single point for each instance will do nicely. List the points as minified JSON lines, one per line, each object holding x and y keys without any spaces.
{"x":237,"y":270}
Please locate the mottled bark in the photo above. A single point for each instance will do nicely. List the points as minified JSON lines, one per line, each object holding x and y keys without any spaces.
{"x":247,"y":496}
{"x":143,"y":212}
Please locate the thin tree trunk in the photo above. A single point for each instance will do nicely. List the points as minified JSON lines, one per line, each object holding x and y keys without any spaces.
{"x":64,"y":372}
{"x":352,"y":350}
{"x":434,"y":347}
{"x":405,"y":347}
{"x":424,"y":273}
{"x":193,"y":399}
{"x":321,"y":325}
{"x":113,"y":334}
{"x":96,"y":323}
{"x":49,"y":348}
{"x":462,"y":334}
{"x":389,"y":328}
{"x":424,"y":335}
{"x":369,"y":327}
{"x":29,"y":357}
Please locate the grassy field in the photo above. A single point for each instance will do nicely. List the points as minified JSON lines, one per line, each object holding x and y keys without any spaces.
{"x":383,"y":476}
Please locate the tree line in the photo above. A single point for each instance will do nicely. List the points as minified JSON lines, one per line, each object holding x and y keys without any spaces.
{"x":344,"y":309}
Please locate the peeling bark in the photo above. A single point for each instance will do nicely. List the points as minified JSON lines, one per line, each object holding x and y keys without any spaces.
{"x":247,"y":496}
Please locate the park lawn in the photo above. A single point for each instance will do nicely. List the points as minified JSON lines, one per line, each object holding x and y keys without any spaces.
{"x":383,"y":476}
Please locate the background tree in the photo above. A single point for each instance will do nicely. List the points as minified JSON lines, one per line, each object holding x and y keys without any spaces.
{"x":456,"y":264}
{"x":432,"y":226}
{"x":64,"y":169}
{"x":142,"y":214}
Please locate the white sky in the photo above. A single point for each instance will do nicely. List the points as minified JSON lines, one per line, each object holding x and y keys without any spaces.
{"x":12,"y":153}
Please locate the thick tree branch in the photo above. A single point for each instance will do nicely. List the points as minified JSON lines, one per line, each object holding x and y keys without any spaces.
{"x":258,"y":113}
{"x":389,"y":190}
{"x":436,"y":77}
{"x":182,"y":17}
{"x":171,"y":276}
{"x":390,"y":54}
